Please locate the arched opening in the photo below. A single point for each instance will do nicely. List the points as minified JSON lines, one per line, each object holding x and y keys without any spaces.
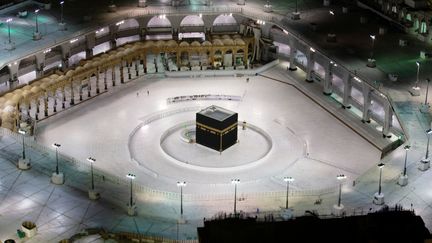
{"x":53,"y":59}
{"x":4,"y":78}
{"x":239,"y":58}
{"x":217,"y":59}
{"x":225,"y":23}
{"x":127,"y":24}
{"x":192,"y":28}
{"x":159,"y":28}
{"x":228,"y":58}
{"x":27,"y":70}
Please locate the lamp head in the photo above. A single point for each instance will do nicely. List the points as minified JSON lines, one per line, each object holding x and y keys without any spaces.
{"x":56,"y":145}
{"x":288,"y":179}
{"x":61,"y":3}
{"x":331,"y":12}
{"x":418,"y":63}
{"x":37,"y":11}
{"x":341,"y":177}
{"x":407,"y":147}
{"x":131,"y":176}
{"x":9,"y":20}
{"x":23,"y":132}
{"x":181,"y":183}
{"x":372,"y":37}
{"x":235,"y":181}
{"x":91,"y":160}
{"x":381,"y":165}
{"x":429,"y":131}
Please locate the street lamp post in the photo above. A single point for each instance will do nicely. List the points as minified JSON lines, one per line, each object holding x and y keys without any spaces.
{"x":57,"y":177}
{"x":371,"y":61}
{"x":403,"y":178}
{"x":331,"y":37}
{"x":36,"y":34}
{"x":62,"y":24}
{"x":94,"y":195}
{"x":425,"y":163}
{"x":10,"y":44}
{"x":338,"y":208}
{"x":23,"y":163}
{"x":235,"y":182}
{"x":181,"y":184}
{"x":379,"y":196}
{"x":415,"y":91}
{"x":131,"y":205}
{"x":296,"y":13}
{"x":287,"y":179}
{"x":424,"y":108}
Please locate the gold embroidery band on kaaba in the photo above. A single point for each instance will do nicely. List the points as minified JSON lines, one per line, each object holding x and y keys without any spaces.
{"x":224,"y":131}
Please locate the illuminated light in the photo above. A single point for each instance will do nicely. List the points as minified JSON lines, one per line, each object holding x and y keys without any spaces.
{"x":101,"y":30}
{"x":200,"y":15}
{"x":8,"y":20}
{"x":15,"y":63}
{"x":418,"y":63}
{"x":120,"y":22}
{"x":331,"y":12}
{"x":372,"y":36}
{"x":181,"y":183}
{"x":37,"y":11}
{"x":47,"y":50}
{"x":230,"y":14}
{"x":74,"y":40}
{"x":61,"y":3}
{"x":311,"y":49}
{"x":131,"y":176}
{"x":286,"y":32}
{"x":357,"y":79}
{"x":341,"y":177}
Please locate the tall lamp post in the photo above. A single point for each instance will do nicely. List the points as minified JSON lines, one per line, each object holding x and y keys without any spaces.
{"x":379,"y":196}
{"x":57,"y":177}
{"x":62,"y":24}
{"x":288,"y":180}
{"x":131,"y":205}
{"x":37,"y":35}
{"x":371,"y":61}
{"x":10,"y":45}
{"x":331,"y":37}
{"x":403,"y":178}
{"x":415,"y":91}
{"x":338,"y":208}
{"x":424,"y":108}
{"x":425,"y":163}
{"x":94,"y":195}
{"x":181,"y":184}
{"x":23,"y":163}
{"x":235,"y":182}
{"x":296,"y":13}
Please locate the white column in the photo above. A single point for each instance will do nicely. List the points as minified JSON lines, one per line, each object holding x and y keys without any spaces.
{"x":293,"y":50}
{"x":388,"y":119}
{"x":328,"y":77}
{"x":347,"y":90}
{"x":366,"y":103}
{"x":310,"y":65}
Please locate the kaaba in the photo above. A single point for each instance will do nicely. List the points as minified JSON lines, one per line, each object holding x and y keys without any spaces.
{"x":216,"y":128}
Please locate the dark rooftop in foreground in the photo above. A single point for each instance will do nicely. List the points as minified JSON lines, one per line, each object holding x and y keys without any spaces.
{"x":384,"y":226}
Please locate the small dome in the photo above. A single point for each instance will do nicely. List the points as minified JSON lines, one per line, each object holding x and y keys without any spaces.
{"x":184,"y":43}
{"x":195,"y":43}
{"x":239,"y":42}
{"x":217,"y":42}
{"x":226,"y":37}
{"x":70,"y":73}
{"x":172,"y":43}
{"x":228,"y":42}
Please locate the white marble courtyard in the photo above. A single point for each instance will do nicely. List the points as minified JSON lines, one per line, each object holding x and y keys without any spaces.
{"x":123,"y":130}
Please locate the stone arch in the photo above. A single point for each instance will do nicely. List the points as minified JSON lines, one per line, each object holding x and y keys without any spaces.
{"x":128,"y":24}
{"x":192,"y":20}
{"x":26,"y":62}
{"x":225,"y":19}
{"x":159,"y":21}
